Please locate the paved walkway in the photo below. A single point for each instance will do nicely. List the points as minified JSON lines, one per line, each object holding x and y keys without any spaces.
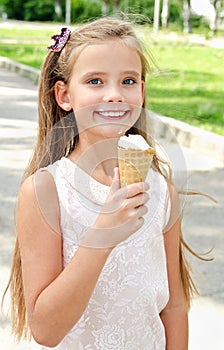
{"x":203,"y":223}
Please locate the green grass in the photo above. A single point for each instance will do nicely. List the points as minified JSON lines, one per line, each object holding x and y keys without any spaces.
{"x":26,"y":33}
{"x":29,"y":54}
{"x":187,"y":86}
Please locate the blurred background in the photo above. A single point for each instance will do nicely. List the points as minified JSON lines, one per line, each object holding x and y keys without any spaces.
{"x":184,"y":41}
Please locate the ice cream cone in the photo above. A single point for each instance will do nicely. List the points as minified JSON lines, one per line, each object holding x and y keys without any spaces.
{"x":134,"y":164}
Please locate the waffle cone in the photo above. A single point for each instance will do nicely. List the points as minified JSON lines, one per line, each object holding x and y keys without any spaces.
{"x":134,"y":164}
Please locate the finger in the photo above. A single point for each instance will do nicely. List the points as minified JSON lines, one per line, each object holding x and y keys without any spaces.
{"x":135,"y":189}
{"x":137,"y":213}
{"x":141,"y":199}
{"x":136,"y":201}
{"x":141,"y":211}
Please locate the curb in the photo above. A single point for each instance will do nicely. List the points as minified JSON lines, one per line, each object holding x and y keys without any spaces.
{"x":199,"y":140}
{"x":22,"y":69}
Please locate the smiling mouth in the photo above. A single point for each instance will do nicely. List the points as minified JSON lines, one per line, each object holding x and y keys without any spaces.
{"x":112,"y":114}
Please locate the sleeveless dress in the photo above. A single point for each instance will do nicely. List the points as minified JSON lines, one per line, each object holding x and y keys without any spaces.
{"x":132,"y":289}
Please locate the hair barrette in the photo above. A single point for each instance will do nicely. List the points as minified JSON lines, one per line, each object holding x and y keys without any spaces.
{"x":60,"y":40}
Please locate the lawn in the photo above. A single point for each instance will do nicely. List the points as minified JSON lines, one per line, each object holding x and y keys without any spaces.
{"x":187,"y":84}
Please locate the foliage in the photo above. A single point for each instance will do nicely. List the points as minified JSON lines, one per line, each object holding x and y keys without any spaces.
{"x":44,"y":10}
{"x":41,"y":10}
{"x":83,"y":10}
{"x":14,"y":8}
{"x":175,"y":11}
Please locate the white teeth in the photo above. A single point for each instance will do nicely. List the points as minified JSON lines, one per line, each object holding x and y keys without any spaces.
{"x":112,"y":114}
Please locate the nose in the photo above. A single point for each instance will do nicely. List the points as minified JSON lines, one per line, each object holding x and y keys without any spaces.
{"x":113,"y":94}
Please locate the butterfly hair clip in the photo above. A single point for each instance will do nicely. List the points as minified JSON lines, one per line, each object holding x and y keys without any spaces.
{"x":60,"y":40}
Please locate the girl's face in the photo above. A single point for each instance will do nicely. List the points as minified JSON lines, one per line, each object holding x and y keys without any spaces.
{"x":105,"y":90}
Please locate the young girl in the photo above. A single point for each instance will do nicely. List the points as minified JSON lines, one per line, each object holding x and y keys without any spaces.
{"x":97,"y":266}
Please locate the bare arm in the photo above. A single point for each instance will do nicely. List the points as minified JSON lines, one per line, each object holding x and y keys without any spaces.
{"x":175,"y":314}
{"x":56,"y":298}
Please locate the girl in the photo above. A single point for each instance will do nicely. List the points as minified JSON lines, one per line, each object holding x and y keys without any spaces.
{"x":97,"y":266}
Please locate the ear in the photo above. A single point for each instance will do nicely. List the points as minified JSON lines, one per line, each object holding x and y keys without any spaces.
{"x":61,"y":95}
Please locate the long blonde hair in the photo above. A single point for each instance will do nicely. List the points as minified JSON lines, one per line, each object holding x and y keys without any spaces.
{"x":54,"y":143}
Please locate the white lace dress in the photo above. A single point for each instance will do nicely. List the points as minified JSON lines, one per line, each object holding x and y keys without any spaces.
{"x":123,"y":312}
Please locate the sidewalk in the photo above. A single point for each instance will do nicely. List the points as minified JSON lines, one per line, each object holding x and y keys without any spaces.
{"x":203,"y":223}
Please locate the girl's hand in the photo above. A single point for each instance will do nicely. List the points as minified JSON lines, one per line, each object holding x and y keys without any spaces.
{"x":121,"y":215}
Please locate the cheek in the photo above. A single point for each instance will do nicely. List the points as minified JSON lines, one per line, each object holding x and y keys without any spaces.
{"x":85,"y":98}
{"x":137,"y":97}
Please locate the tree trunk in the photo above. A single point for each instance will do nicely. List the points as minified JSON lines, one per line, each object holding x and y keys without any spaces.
{"x":156,"y":16}
{"x":165,"y":13}
{"x":187,"y":16}
{"x":58,"y":10}
{"x":68,"y":12}
{"x":217,"y":8}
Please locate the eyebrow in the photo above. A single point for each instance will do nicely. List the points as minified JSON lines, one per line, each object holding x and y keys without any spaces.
{"x":132,"y":73}
{"x":101,"y":73}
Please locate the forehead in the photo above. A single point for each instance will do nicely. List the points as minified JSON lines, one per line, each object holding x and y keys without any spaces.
{"x":109,"y":55}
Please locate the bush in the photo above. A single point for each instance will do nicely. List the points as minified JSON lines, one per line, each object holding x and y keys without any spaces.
{"x":175,"y":12}
{"x":41,"y":10}
{"x":14,"y":9}
{"x":199,"y":21}
{"x":85,"y":9}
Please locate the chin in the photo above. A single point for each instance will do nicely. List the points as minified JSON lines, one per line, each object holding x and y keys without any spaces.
{"x":114,"y":131}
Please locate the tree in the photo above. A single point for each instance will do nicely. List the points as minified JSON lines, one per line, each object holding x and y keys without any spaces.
{"x":68,"y":12}
{"x":218,"y":6}
{"x":187,"y":16}
{"x":82,"y":10}
{"x":58,"y":9}
{"x":14,"y":9}
{"x":165,"y":13}
{"x":156,"y":16}
{"x":43,"y":10}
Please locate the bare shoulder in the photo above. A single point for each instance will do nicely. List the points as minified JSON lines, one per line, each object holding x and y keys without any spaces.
{"x":38,"y":199}
{"x":42,"y":180}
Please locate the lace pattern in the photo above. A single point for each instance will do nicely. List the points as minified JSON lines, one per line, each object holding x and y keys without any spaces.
{"x":123,"y":312}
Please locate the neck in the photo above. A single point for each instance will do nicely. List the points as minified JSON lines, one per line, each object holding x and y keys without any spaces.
{"x":97,"y":159}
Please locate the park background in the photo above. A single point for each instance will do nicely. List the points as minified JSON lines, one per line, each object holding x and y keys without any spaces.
{"x":185,"y":82}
